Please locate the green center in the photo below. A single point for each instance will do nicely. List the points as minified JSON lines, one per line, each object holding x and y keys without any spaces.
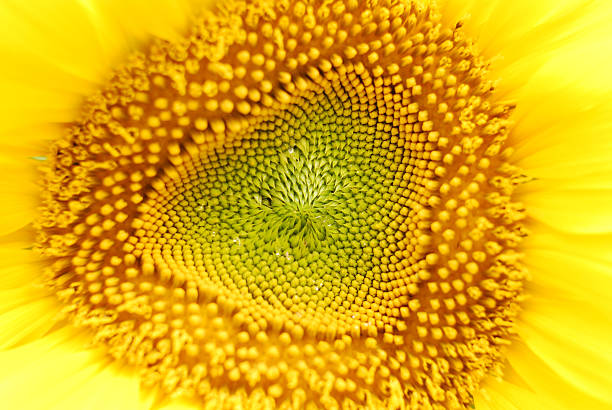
{"x":304,"y":208}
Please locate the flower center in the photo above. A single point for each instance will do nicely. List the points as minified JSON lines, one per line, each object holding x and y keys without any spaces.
{"x":310,"y":210}
{"x":302,"y":203}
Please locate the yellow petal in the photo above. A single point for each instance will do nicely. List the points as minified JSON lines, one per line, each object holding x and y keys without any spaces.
{"x":573,"y":276}
{"x":572,"y":265}
{"x":562,"y":131}
{"x":58,"y":372}
{"x":83,"y":38}
{"x":141,"y":19}
{"x":566,"y":320}
{"x":27,"y":309}
{"x":19,"y":193}
{"x":595,"y":248}
{"x":20,"y":267}
{"x":564,"y":115}
{"x":66,"y":374}
{"x":546,"y":383}
{"x":54,"y":57}
{"x":578,"y":350}
{"x":498,"y":394}
{"x":27,"y":322}
{"x":522,"y":34}
{"x":570,"y":210}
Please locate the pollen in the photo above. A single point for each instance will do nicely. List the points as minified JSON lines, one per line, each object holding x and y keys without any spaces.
{"x":302,"y":204}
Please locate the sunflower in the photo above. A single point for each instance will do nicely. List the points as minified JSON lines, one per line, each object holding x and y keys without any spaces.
{"x":305,"y":204}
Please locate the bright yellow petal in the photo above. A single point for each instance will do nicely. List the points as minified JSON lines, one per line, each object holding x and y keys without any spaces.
{"x":565,"y":139}
{"x":498,"y":394}
{"x":27,"y":310}
{"x":575,"y":266}
{"x":547,"y":383}
{"x":29,"y":321}
{"x":59,"y":372}
{"x":20,"y":266}
{"x":66,"y":374}
{"x":564,"y":115}
{"x":567,"y":320}
{"x":19,"y":193}
{"x":578,"y":350}
{"x":571,"y":210}
{"x":522,"y":35}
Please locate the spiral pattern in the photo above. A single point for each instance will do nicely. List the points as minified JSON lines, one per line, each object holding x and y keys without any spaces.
{"x":301,"y":204}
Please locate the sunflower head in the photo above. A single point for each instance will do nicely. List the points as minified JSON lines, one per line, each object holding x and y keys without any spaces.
{"x":300,"y":203}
